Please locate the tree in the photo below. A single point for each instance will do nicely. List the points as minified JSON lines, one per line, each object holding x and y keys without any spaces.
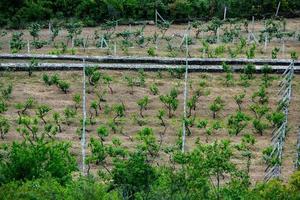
{"x":3,"y":106}
{"x":245,"y":147}
{"x":94,"y":106}
{"x":259,"y":110}
{"x":132,"y":175}
{"x":119,"y":110}
{"x":28,"y":161}
{"x":170,"y":101}
{"x":64,"y":86}
{"x":249,"y":69}
{"x":93,"y":75}
{"x":239,"y":100}
{"x":154,"y":89}
{"x":32,"y":66}
{"x":107,"y":80}
{"x":6,"y":92}
{"x":34,"y":30}
{"x":130,"y":83}
{"x":77,"y":101}
{"x":4,"y":127}
{"x":160,"y":115}
{"x":259,"y":126}
{"x":149,"y":144}
{"x":216,"y":106}
{"x":16,"y":43}
{"x":260,"y":96}
{"x":229,"y":76}
{"x":69,"y":113}
{"x":23,"y":107}
{"x":236,"y":123}
{"x":276,"y":118}
{"x":142,"y":103}
{"x":98,"y":154}
{"x":102,"y":132}
{"x":217,"y":162}
{"x":55,"y":28}
{"x":42,"y":111}
{"x":57,"y":119}
{"x":74,"y":29}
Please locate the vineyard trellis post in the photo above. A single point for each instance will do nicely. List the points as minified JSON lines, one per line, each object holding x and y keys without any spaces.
{"x":158,"y":17}
{"x":251,"y":35}
{"x":266,"y":42}
{"x":225,"y":13}
{"x":297,"y":163}
{"x":277,"y":10}
{"x":273,"y":170}
{"x":28,"y":47}
{"x":49,"y":30}
{"x":185,"y":92}
{"x":283,"y":48}
{"x":115,"y":49}
{"x":83,"y":136}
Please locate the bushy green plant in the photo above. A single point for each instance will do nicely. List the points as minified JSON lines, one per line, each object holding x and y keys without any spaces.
{"x":151,"y":51}
{"x":154,"y":89}
{"x":239,"y":100}
{"x":142,"y":103}
{"x":34,"y":29}
{"x":102,"y":131}
{"x":3,"y":106}
{"x":236,"y":123}
{"x":42,"y":111}
{"x":216,"y":106}
{"x":64,"y":86}
{"x":4,"y":127}
{"x":170,"y":101}
{"x":260,"y":126}
{"x":32,"y":66}
{"x":16,"y":43}
{"x":249,"y":70}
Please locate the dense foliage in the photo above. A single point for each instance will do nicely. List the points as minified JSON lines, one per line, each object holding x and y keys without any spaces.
{"x":37,"y":171}
{"x":15,"y":12}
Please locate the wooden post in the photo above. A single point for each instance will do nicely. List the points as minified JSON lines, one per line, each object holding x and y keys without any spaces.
{"x":185,"y":93}
{"x":28,"y":47}
{"x":83,"y":139}
{"x":278,"y":7}
{"x":155,"y":17}
{"x":225,"y":12}
{"x":253,"y":24}
{"x":218,"y":35}
{"x":49,"y":29}
{"x":266,"y":42}
{"x":115,"y":49}
{"x":283,"y":49}
{"x":85,"y":43}
{"x":72,"y":42}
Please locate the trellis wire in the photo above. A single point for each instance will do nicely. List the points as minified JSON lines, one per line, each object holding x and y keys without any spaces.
{"x":185,"y":92}
{"x":279,"y":135}
{"x":83,"y":139}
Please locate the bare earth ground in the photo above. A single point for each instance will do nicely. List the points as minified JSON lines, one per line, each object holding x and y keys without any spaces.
{"x":25,"y":87}
{"x":292,"y":44}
